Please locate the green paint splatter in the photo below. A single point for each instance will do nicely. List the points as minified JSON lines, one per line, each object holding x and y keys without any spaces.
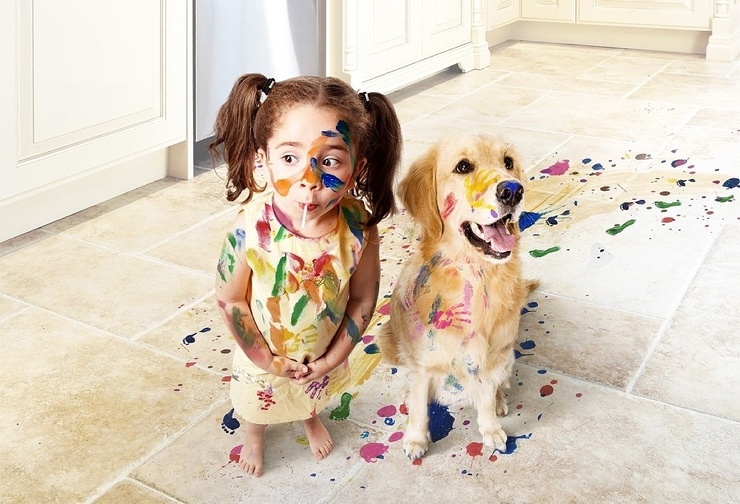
{"x":341,"y":412}
{"x":282,"y":233}
{"x":620,"y":227}
{"x":663,"y":204}
{"x":725,"y":199}
{"x":543,"y":253}
{"x":298,"y":309}
{"x":279,"y":275}
{"x":302,"y":440}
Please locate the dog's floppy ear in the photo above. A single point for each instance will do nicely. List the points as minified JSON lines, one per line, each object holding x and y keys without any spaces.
{"x":418,"y":193}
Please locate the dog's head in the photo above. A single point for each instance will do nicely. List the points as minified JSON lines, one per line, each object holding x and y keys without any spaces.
{"x":468,"y":189}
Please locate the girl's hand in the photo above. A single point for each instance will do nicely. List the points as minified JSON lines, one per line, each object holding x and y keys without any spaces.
{"x":316,"y":371}
{"x":287,"y":368}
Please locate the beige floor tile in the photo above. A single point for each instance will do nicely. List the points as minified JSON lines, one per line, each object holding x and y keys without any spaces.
{"x":710,"y":150}
{"x":411,"y":107}
{"x":603,"y":116}
{"x":112,"y":291}
{"x":696,"y":90}
{"x":80,"y":407}
{"x":696,"y":363}
{"x":455,"y":83}
{"x":491,"y":104}
{"x":724,"y":252}
{"x":717,"y":118}
{"x":126,"y":223}
{"x":625,"y":69}
{"x":197,"y":336}
{"x":566,"y":84}
{"x":703,"y":67}
{"x":199,"y":248}
{"x":539,"y":59}
{"x":128,"y":492}
{"x":21,"y":241}
{"x":593,"y":343}
{"x":598,"y":445}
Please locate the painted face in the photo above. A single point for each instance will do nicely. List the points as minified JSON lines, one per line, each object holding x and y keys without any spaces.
{"x":311,"y":165}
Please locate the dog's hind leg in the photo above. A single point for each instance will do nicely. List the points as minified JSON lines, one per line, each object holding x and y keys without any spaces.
{"x":416,"y":438}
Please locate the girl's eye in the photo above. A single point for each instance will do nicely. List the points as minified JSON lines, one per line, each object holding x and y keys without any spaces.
{"x":289,"y":158}
{"x":330,"y":162}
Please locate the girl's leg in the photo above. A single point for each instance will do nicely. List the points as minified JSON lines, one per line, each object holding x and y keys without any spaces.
{"x":254,"y":442}
{"x":318,"y":437}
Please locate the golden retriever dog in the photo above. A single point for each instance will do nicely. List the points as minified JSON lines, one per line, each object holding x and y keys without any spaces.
{"x":455,"y":307}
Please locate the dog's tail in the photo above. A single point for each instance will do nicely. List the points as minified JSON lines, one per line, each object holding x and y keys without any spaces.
{"x":388,"y":344}
{"x":532,"y":285}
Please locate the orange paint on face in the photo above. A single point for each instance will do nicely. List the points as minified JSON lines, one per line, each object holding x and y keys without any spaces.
{"x":309,"y":173}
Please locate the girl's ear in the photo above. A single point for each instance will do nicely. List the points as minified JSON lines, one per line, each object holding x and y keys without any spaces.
{"x":261,"y":158}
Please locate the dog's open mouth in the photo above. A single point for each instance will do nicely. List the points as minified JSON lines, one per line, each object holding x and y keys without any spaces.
{"x":496,"y":239}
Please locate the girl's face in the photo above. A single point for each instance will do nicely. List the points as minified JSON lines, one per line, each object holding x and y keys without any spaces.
{"x":311,"y":165}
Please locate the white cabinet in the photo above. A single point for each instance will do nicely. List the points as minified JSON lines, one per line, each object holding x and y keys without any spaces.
{"x":501,"y":12}
{"x":692,"y":14}
{"x":383,"y":45}
{"x":549,"y":10}
{"x":92,"y":96}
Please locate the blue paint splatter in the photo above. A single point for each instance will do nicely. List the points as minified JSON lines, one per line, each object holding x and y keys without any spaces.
{"x":189,"y":339}
{"x":229,"y":424}
{"x":527,"y":345}
{"x":440,"y":421}
{"x":527,"y":219}
{"x":511,"y":443}
{"x":586,"y":160}
{"x":731,"y":183}
{"x":372,"y":348}
{"x":597,"y":166}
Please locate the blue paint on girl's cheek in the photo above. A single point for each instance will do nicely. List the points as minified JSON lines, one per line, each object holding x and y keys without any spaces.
{"x":331,"y":182}
{"x":440,"y":421}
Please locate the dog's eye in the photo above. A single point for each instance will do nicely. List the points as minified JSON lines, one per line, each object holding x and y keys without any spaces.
{"x":508,"y":163}
{"x":463,"y":166}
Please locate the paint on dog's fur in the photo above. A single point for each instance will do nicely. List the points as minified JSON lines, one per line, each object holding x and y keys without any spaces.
{"x":449,"y":205}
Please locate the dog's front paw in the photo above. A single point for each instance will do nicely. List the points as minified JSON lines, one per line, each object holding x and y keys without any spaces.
{"x":415,"y":444}
{"x":495,"y":438}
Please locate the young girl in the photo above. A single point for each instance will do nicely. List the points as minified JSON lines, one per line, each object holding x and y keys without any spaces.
{"x":299,"y":272}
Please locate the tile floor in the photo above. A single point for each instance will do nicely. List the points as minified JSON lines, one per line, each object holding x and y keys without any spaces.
{"x":115,"y":366}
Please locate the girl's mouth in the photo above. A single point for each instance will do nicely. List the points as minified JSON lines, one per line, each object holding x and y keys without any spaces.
{"x":310,"y":207}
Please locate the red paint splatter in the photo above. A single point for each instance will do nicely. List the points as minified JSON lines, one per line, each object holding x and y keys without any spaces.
{"x":416,"y":462}
{"x":474,"y":449}
{"x":226,"y":379}
{"x":372,"y":451}
{"x":519,"y":406}
{"x":449,"y":205}
{"x":385,"y":309}
{"x":492,"y":458}
{"x":553,"y":382}
{"x":236,"y":453}
{"x":395,"y":436}
{"x":666,"y":220}
{"x":387,"y":411}
{"x":678,"y":162}
{"x":578,"y":394}
{"x":403,"y":409}
{"x":189,"y":364}
{"x":546,"y":390}
{"x":558,"y":168}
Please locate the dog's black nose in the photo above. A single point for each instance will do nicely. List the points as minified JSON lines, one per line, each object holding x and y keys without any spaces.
{"x":510,"y":192}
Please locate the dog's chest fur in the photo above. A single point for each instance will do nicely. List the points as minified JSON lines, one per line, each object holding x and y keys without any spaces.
{"x":455,"y":311}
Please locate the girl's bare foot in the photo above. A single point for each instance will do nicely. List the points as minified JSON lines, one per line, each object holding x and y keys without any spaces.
{"x":250,"y":459}
{"x":318,"y":437}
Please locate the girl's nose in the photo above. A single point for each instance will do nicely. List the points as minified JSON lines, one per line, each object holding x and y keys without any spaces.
{"x":311,"y":179}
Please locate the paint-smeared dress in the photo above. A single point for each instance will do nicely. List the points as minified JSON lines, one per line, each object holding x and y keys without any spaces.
{"x":298,"y":296}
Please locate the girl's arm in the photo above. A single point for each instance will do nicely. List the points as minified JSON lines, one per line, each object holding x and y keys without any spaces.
{"x":232,"y":290}
{"x":364,"y":285}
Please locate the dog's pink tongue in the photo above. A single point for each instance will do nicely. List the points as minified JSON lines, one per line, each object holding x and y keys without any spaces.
{"x":500,"y":240}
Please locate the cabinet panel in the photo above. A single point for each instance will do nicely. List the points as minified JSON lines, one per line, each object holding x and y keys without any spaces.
{"x":389,"y":35}
{"x":75,"y":90}
{"x":549,"y":10}
{"x":667,"y":13}
{"x":447,"y":24}
{"x":501,"y":12}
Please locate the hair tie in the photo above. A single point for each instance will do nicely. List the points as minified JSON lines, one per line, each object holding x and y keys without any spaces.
{"x":365,"y":100}
{"x":266,"y":89}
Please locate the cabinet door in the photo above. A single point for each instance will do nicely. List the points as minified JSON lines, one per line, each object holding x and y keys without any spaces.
{"x":549,"y":10}
{"x":447,"y":24}
{"x":501,"y":12}
{"x":389,"y":35}
{"x":667,"y":13}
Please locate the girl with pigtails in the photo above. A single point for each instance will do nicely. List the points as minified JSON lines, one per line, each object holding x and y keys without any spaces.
{"x":299,"y":271}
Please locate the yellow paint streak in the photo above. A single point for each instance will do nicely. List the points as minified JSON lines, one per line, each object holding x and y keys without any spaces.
{"x":477,"y":185}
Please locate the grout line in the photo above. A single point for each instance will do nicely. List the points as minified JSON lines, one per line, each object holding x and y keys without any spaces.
{"x":173,"y":315}
{"x":127,"y":470}
{"x":190,"y":228}
{"x":626,"y":96}
{"x":668,"y":321}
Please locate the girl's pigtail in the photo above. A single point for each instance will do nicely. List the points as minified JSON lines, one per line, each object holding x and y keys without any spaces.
{"x":234,"y":141}
{"x":383,"y":152}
